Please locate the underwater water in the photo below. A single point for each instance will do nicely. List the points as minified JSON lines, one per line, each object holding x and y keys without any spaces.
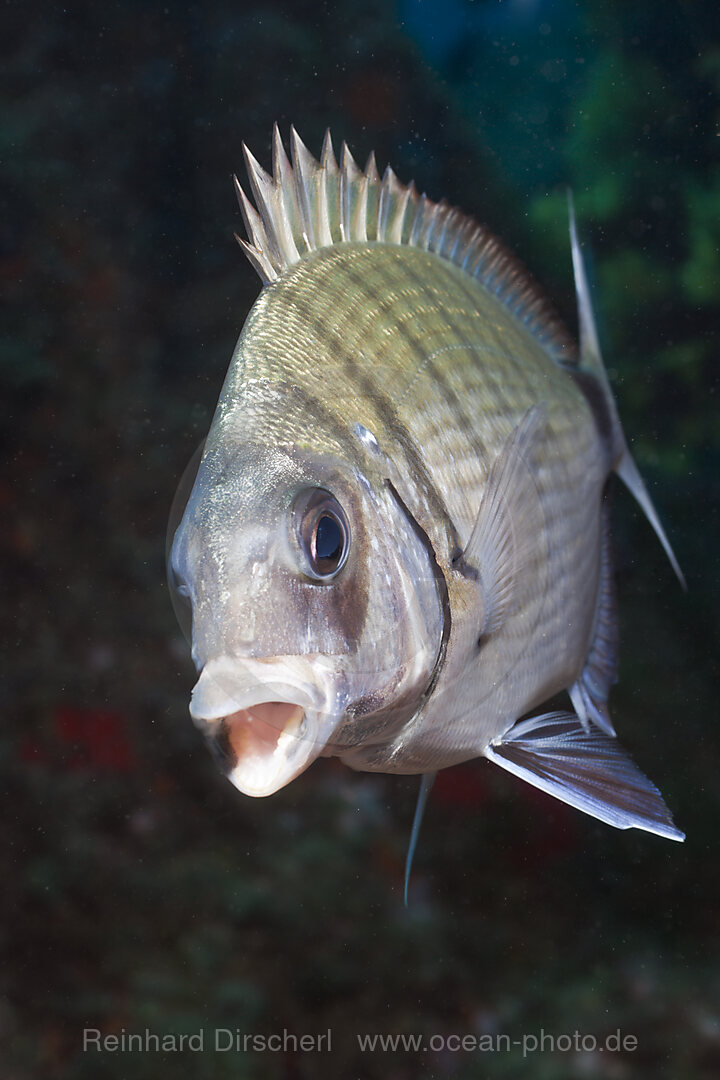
{"x":142,"y":892}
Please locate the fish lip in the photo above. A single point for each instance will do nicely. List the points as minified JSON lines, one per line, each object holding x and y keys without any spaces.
{"x":253,"y":695}
{"x":220,"y":706}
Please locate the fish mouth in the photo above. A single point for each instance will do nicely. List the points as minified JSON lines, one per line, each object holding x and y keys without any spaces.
{"x":251,"y":743}
{"x":265,"y":721}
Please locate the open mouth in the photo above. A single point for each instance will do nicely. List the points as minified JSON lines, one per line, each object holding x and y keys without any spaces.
{"x":257,"y":746}
{"x":265,"y":721}
{"x":250,"y":736}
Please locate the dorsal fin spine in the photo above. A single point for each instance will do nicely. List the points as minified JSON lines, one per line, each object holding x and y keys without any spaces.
{"x":331,"y":172}
{"x":321,"y":219}
{"x":353,"y":198}
{"x":268,"y":199}
{"x":303,"y":167}
{"x":258,"y":250}
{"x":308,"y":204}
{"x":394,"y":198}
{"x":410,"y":213}
{"x":373,"y":197}
{"x":416,"y":226}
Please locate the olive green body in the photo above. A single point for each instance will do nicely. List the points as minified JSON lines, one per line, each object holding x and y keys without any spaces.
{"x":424,"y":357}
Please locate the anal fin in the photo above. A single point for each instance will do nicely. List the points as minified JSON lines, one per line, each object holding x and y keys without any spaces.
{"x":586,"y":769}
{"x":590,"y":692}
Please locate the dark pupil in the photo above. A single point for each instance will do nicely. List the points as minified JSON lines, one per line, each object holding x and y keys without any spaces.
{"x":328,"y":539}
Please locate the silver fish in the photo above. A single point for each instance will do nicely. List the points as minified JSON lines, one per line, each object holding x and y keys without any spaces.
{"x":397,"y":543}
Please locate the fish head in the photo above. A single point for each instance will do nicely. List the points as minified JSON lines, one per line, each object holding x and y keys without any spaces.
{"x":315,"y":616}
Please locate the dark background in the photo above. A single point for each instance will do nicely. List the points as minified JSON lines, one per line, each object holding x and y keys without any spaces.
{"x":141,"y":890}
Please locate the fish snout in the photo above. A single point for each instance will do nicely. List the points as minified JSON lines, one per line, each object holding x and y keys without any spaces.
{"x":264,"y":726}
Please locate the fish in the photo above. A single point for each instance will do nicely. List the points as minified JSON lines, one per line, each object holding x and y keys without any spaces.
{"x":396,"y":547}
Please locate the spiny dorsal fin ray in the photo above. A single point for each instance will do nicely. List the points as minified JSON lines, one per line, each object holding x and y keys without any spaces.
{"x":353,"y":198}
{"x":304,"y":169}
{"x":267,"y":199}
{"x":310,"y":204}
{"x":329,"y":165}
{"x":258,"y":251}
{"x":592,"y":362}
{"x":282,"y":178}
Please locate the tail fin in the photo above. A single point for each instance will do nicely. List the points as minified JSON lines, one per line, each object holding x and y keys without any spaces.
{"x":591,"y":362}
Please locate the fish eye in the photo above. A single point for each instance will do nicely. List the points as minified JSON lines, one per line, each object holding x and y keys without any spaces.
{"x":322,"y":531}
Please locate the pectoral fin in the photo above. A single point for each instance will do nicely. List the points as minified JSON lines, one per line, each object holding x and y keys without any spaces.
{"x":586,"y":769}
{"x":509,"y":527}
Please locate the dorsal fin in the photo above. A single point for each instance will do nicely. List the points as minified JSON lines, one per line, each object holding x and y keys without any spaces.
{"x":313,"y":204}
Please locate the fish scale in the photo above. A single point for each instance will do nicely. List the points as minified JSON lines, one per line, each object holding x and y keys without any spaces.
{"x":368,"y":302}
{"x":402,"y":384}
{"x":493,"y":383}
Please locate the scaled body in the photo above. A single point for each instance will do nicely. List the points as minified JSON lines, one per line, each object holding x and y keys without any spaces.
{"x":396,"y":544}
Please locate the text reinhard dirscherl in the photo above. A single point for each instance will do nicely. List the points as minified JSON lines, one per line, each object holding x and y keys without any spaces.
{"x":224,"y":1040}
{"x":220,"y":1040}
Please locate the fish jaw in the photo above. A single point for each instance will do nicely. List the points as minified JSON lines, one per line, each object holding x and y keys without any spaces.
{"x":266,"y":720}
{"x":260,"y":748}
